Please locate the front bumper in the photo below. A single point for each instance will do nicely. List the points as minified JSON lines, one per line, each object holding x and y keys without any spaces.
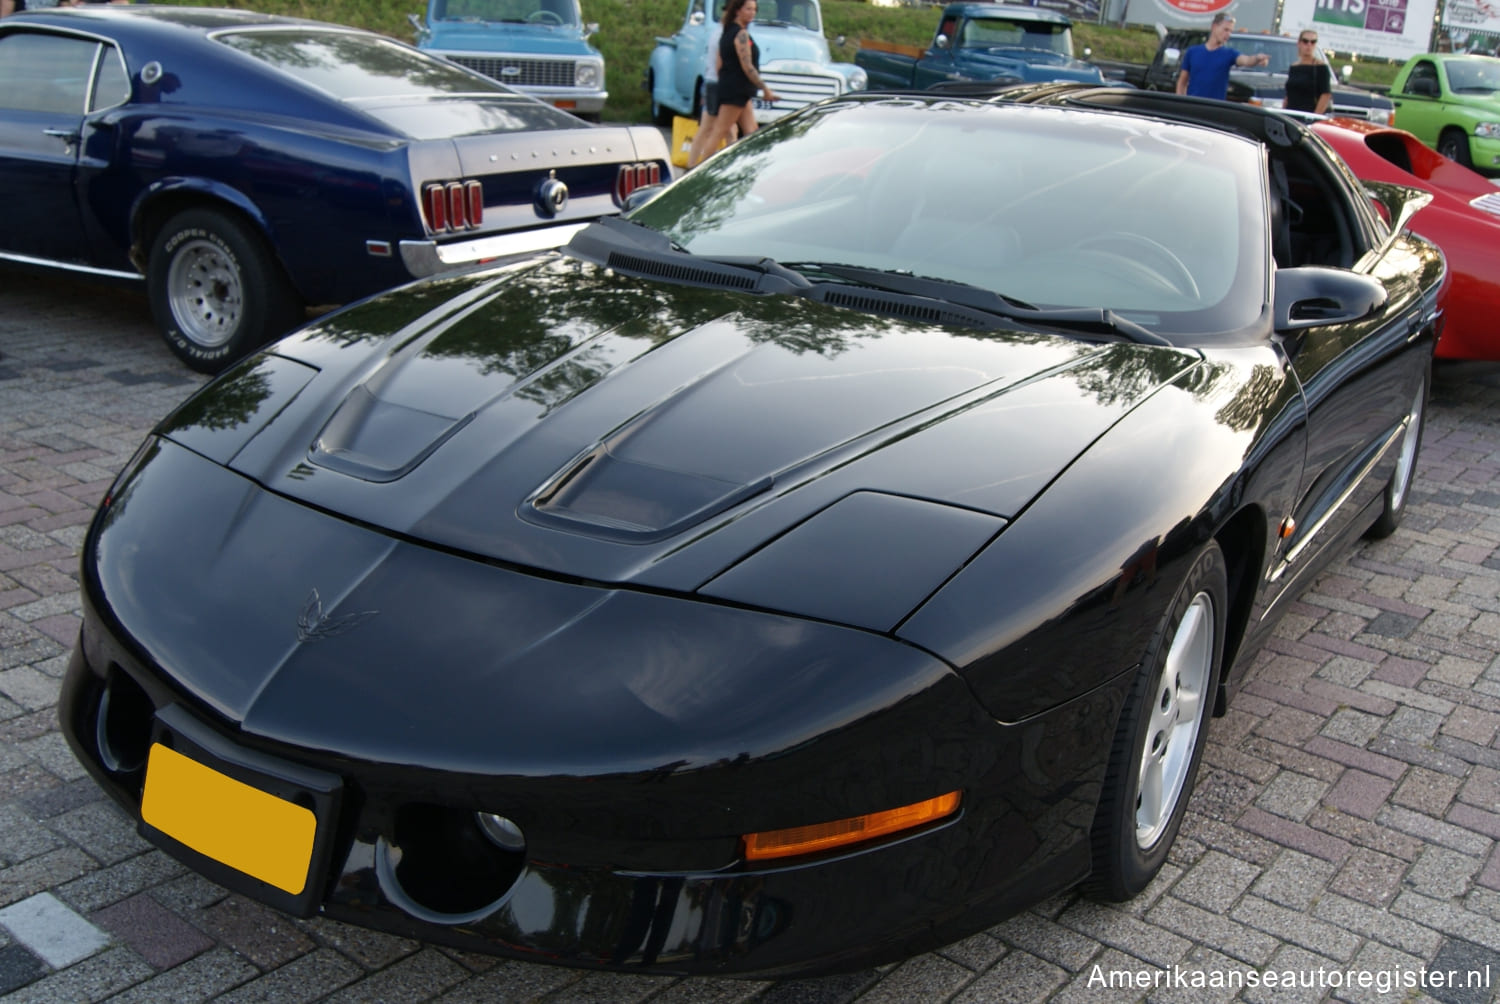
{"x":1485,"y":154}
{"x":402,"y":857}
{"x":569,"y":98}
{"x":424,"y":258}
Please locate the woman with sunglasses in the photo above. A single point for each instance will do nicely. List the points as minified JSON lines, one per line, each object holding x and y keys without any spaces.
{"x":1309,"y":81}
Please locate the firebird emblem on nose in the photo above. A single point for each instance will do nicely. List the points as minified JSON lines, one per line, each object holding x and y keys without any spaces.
{"x":313,"y":624}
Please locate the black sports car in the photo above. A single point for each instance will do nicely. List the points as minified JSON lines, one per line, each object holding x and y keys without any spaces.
{"x":843,"y":551}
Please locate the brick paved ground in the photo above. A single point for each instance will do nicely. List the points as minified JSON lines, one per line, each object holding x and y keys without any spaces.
{"x":1347,"y":817}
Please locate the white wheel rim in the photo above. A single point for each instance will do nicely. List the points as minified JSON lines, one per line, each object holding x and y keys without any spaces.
{"x":1401,"y":481}
{"x":1174,"y":719}
{"x":206,"y":292}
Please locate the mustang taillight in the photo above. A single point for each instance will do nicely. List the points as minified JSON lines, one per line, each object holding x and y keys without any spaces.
{"x":842,"y":832}
{"x":633,"y":176}
{"x":458,"y":205}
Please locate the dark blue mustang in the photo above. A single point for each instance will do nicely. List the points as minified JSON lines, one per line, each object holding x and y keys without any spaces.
{"x":248,"y":166}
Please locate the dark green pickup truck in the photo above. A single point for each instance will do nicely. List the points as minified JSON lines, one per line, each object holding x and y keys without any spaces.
{"x":981,"y":42}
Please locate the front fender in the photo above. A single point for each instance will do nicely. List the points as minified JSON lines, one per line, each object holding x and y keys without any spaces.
{"x":1067,"y":596}
{"x":662,"y":79}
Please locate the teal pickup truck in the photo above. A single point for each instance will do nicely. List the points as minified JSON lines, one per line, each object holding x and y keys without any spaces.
{"x":539,"y":47}
{"x":1451,"y":102}
{"x":981,"y":42}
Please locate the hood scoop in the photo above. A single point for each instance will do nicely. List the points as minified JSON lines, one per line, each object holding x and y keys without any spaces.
{"x":619,"y":499}
{"x":380,"y":441}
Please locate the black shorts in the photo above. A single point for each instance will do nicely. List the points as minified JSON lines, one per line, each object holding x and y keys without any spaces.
{"x":711,"y":97}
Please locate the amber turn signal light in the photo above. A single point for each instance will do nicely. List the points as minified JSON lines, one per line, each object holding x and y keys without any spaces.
{"x":842,"y":832}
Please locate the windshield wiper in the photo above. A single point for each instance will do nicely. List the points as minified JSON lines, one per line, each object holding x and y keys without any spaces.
{"x":628,"y":246}
{"x":1085,"y":320}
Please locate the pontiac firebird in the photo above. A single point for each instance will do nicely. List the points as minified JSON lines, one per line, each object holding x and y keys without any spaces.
{"x":841,"y":552}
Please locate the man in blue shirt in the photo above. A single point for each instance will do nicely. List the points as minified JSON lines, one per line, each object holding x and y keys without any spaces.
{"x":1205,"y":68}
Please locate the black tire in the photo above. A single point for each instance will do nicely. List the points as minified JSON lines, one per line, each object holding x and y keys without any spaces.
{"x":1161,"y":735}
{"x":1454,"y":145}
{"x":1398,"y":488}
{"x":216,"y":291}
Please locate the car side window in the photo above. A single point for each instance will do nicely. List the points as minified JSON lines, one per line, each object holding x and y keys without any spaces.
{"x":45,"y":73}
{"x":1422,"y":80}
{"x":111,"y":83}
{"x":1308,"y":227}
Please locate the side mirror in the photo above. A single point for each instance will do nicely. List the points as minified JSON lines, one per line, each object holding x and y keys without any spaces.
{"x":418,"y":25}
{"x":839,"y":41}
{"x":640,"y":197}
{"x":1171,"y":56}
{"x":1347,"y":72}
{"x":590,"y":29}
{"x":1312,"y":296}
{"x":696,"y":18}
{"x":942,"y":41}
{"x":1087,"y":52}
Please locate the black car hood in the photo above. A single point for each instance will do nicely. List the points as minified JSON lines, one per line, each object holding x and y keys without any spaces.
{"x":560,"y":417}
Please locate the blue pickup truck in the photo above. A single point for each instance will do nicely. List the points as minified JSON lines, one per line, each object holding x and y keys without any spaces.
{"x":981,"y":41}
{"x":539,"y":47}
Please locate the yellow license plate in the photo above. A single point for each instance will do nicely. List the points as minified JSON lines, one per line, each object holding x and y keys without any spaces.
{"x":232,"y":822}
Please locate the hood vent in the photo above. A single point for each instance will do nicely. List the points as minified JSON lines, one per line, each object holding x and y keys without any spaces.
{"x":727,"y":277}
{"x":606,"y":496}
{"x":1487,"y":204}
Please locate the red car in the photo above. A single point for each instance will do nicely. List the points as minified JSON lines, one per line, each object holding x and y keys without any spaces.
{"x":1463,"y":219}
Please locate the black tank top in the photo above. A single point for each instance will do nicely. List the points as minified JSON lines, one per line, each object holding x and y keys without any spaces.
{"x":734,"y":87}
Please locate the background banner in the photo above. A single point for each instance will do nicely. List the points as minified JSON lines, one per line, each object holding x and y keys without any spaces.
{"x":1473,"y":15}
{"x":1394,"y":29}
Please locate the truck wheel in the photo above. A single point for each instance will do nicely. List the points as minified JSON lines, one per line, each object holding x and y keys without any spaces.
{"x":660,"y":114}
{"x":216,"y":291}
{"x":1454,"y":145}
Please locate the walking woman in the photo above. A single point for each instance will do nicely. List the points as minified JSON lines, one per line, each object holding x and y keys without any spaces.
{"x":739,"y":76}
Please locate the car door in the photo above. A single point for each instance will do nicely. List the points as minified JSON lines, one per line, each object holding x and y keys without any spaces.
{"x":1358,"y":377}
{"x":45,"y":81}
{"x":940,"y":63}
{"x":1419,"y":102}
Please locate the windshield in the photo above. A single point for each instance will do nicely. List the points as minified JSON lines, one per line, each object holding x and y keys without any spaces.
{"x":553,"y":12}
{"x":994,"y":32}
{"x":354,"y":66}
{"x":1473,"y":76}
{"x":801,"y":13}
{"x":1057,"y":208}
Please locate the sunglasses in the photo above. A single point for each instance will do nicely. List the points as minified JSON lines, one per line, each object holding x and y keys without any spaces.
{"x":1307,"y":41}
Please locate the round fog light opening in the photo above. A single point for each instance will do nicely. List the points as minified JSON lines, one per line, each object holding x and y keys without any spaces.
{"x":502,"y":832}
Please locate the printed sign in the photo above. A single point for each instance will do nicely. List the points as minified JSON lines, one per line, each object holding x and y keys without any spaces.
{"x":1393,"y":29}
{"x":1249,"y":15}
{"x":1473,"y":15}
